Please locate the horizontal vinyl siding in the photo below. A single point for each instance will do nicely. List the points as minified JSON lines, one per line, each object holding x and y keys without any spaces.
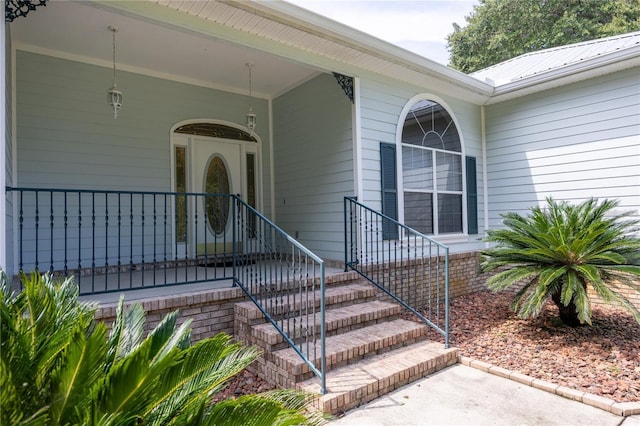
{"x":68,"y":138}
{"x":571,"y":143}
{"x":381,"y":105}
{"x":313,"y":151}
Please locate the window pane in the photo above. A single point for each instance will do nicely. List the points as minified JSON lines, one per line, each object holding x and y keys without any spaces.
{"x":251,"y":192}
{"x":418,"y":211}
{"x":429,"y":125}
{"x":449,"y":171}
{"x":417,"y":168}
{"x":217,"y":206}
{"x":181,"y":200}
{"x":216,"y":130}
{"x":449,"y":213}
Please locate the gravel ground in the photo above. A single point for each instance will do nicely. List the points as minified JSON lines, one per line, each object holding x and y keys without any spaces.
{"x":603,"y":359}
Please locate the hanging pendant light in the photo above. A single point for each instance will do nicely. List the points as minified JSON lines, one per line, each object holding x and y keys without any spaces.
{"x":251,"y":116}
{"x":114,"y":96}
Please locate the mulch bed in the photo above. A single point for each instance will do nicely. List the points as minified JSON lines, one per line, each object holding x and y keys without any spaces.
{"x":602,"y":359}
{"x":244,"y":383}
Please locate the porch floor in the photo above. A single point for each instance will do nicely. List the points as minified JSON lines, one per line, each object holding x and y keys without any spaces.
{"x":212,"y":278}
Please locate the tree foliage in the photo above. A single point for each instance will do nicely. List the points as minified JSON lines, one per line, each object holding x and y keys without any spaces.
{"x":559,"y":252}
{"x":498,"y":30}
{"x":58,"y":366}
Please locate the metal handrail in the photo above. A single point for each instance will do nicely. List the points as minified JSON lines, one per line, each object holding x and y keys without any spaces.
{"x":289,"y":289}
{"x":408,"y":266}
{"x":128,"y":240}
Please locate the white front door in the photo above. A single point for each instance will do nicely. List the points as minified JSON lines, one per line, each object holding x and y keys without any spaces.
{"x":217,"y":172}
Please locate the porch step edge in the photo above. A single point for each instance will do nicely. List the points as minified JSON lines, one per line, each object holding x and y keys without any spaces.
{"x":356,"y":384}
{"x":343,"y":318}
{"x":353,"y":346}
{"x":345,"y":294}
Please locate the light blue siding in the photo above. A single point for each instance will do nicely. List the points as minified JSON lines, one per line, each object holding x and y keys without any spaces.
{"x":67,"y":136}
{"x":313,"y":150}
{"x":571,"y":143}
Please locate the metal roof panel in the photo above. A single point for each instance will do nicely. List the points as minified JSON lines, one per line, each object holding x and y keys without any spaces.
{"x":548,"y":60}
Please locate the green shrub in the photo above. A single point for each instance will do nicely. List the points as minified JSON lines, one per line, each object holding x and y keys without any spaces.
{"x":59,"y":366}
{"x":557,"y":253}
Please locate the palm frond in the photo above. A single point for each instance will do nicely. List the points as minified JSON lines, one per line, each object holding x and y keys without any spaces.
{"x":165,"y":338}
{"x":583,"y":305}
{"x":130,"y":384}
{"x":206,"y":367}
{"x":81,"y":370}
{"x":505,"y":279}
{"x":253,"y":410}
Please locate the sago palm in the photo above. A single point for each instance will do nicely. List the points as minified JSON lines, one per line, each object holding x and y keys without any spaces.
{"x":58,"y":366}
{"x":559,"y":252}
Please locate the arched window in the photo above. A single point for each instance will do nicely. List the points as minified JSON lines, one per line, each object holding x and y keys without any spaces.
{"x":432,"y":163}
{"x":216,"y":130}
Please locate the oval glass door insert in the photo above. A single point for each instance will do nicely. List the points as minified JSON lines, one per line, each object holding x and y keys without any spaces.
{"x":217,"y":187}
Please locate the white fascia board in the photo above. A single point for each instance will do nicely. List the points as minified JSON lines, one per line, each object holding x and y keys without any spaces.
{"x":304,"y":20}
{"x":594,"y":67}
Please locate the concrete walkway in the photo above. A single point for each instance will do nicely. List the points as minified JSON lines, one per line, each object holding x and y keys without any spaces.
{"x":462,"y":395}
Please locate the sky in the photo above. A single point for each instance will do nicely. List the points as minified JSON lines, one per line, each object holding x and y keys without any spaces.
{"x":420,"y":26}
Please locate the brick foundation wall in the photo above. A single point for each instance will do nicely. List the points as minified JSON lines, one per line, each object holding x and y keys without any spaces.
{"x":464,"y":274}
{"x":465,"y":278}
{"x":211,"y":311}
{"x":403,"y":277}
{"x":634,"y":297}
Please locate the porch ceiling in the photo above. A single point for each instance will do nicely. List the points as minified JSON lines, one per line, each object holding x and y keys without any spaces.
{"x":208,"y":42}
{"x":79,"y":31}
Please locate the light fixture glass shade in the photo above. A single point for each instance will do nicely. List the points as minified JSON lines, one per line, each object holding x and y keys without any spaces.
{"x":251,"y":120}
{"x":114,"y":98}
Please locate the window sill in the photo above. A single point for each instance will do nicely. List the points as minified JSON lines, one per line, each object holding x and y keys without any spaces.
{"x":456,"y":238}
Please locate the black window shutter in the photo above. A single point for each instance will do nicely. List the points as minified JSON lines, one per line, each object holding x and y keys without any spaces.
{"x":472,"y":196}
{"x":389,"y":190}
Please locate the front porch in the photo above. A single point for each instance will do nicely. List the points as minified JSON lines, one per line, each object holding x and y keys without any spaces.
{"x":316,"y":324}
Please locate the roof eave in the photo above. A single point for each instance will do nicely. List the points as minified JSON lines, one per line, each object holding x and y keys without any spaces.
{"x":293,"y":15}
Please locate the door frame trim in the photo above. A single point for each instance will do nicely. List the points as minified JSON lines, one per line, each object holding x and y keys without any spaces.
{"x":186,"y":140}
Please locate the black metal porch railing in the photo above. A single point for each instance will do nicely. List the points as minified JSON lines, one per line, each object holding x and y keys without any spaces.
{"x":408,"y":266}
{"x":124,"y":240}
{"x":130,"y":240}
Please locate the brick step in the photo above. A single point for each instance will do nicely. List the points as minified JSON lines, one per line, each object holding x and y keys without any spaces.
{"x":344,"y":295}
{"x":356,"y":384}
{"x":345,"y":348}
{"x":337,"y":320}
{"x":276,"y":280}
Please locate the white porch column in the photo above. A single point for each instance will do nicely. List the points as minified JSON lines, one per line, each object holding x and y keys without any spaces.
{"x":3,"y":148}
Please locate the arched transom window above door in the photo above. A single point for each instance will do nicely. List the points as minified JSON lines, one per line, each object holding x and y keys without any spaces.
{"x":432,"y":170}
{"x":216,"y":130}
